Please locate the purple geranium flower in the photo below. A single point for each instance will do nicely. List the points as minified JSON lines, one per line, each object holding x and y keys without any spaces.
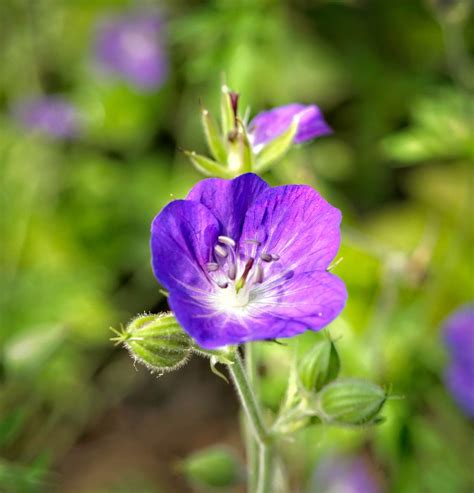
{"x":270,"y":124}
{"x":459,"y":338}
{"x":50,"y":115}
{"x":244,"y":261}
{"x":130,"y":46}
{"x":344,"y":474}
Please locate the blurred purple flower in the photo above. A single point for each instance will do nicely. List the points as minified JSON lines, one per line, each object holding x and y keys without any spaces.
{"x":131,"y":47}
{"x":270,"y":124}
{"x":459,"y":339}
{"x":243,"y":261}
{"x":50,"y":115}
{"x":344,"y":474}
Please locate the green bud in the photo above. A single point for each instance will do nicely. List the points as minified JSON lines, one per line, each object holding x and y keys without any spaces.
{"x":277,"y":148}
{"x":157,"y":341}
{"x":320,"y":365}
{"x":350,"y":402}
{"x":215,"y":467}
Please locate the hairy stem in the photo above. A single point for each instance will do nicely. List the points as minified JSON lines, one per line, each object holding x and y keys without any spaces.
{"x":263,"y":482}
{"x":251,"y":444}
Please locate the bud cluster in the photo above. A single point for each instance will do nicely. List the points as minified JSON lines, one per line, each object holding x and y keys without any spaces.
{"x":232,"y":143}
{"x":315,"y":394}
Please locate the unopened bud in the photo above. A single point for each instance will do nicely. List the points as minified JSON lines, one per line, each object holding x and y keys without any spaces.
{"x":320,"y":365}
{"x":351,"y":402}
{"x":157,"y":341}
{"x":215,"y":467}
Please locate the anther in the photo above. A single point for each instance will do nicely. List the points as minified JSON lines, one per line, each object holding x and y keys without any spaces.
{"x":275,"y":256}
{"x":222,"y":284}
{"x":259,"y":274}
{"x":232,"y":272}
{"x":253,"y":242}
{"x":221,"y":251}
{"x":266,"y":257}
{"x":212,"y":266}
{"x":226,"y":240}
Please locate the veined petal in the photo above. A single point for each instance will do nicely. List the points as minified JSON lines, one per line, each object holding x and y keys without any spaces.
{"x":297,"y":224}
{"x":304,"y":301}
{"x":229,"y":200}
{"x":310,"y":301}
{"x":182,"y":237}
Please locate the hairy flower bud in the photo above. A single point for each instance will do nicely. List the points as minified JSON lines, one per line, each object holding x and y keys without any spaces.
{"x":351,"y":402}
{"x":157,"y":341}
{"x":320,"y":365}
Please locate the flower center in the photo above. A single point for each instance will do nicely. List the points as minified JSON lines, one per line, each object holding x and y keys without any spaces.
{"x":236,"y":274}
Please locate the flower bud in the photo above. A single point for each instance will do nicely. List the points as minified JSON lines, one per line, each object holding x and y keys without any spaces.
{"x":351,"y":402}
{"x":320,"y":365}
{"x":157,"y":341}
{"x":215,"y":467}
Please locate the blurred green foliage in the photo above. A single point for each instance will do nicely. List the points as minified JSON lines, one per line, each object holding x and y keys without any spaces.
{"x":75,"y":215}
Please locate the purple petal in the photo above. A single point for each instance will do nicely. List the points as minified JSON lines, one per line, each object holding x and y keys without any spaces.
{"x":182,"y":237}
{"x":460,"y":382}
{"x":459,"y":338}
{"x":229,"y":200}
{"x":309,"y":301}
{"x":459,"y":334}
{"x":130,"y":46}
{"x":50,"y":115}
{"x":346,"y":475}
{"x":270,"y":124}
{"x":297,"y":224}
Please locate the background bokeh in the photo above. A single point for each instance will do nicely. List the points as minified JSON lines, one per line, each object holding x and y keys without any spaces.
{"x":393,"y":80}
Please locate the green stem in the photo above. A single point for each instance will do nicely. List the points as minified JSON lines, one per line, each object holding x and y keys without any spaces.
{"x":257,"y":426}
{"x":252,"y":451}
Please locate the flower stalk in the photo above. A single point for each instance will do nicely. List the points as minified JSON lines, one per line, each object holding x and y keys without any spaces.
{"x":261,"y":435}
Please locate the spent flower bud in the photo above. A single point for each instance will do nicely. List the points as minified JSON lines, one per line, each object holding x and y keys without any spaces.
{"x":351,"y":402}
{"x":157,"y":341}
{"x":320,"y":365}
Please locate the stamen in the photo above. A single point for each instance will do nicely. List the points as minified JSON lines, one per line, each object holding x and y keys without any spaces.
{"x":252,"y":242}
{"x":222,"y":284}
{"x":212,"y":266}
{"x":266,"y":257}
{"x":259,"y":274}
{"x":226,"y":240}
{"x":275,"y":256}
{"x":221,"y":251}
{"x":232,"y":272}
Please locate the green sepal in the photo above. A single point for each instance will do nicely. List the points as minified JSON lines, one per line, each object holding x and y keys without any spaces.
{"x":213,"y":137}
{"x":351,"y":402}
{"x":207,"y":166}
{"x":227,"y":113}
{"x":276,"y":148}
{"x":248,"y":156}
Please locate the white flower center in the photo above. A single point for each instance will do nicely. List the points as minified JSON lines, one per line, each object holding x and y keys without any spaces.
{"x":238,"y":279}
